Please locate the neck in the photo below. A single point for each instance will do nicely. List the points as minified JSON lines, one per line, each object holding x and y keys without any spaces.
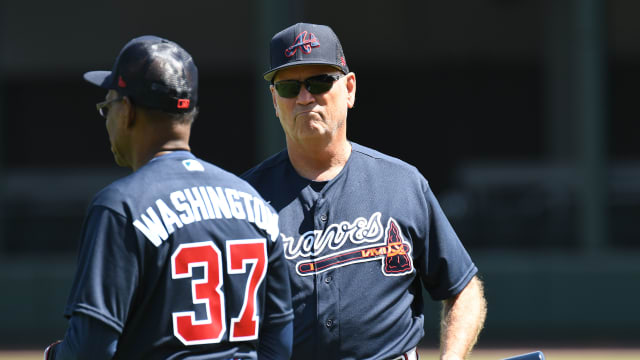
{"x":158,"y":143}
{"x":319,"y":163}
{"x":142,"y":159}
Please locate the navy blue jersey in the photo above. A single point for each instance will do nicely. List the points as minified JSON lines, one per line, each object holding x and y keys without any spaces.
{"x":360,"y":247}
{"x":183,"y":259}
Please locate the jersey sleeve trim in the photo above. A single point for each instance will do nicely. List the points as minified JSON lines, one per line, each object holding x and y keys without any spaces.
{"x":279,"y":318}
{"x":460,"y":285}
{"x":94,"y":313}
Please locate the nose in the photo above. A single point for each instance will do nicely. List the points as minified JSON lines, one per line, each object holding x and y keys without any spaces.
{"x":304,"y":97}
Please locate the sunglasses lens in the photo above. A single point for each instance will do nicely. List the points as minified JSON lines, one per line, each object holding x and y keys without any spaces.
{"x":288,"y":88}
{"x":103,"y":111}
{"x":320,"y":84}
{"x":316,"y":85}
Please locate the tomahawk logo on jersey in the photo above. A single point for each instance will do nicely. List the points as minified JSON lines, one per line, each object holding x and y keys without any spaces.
{"x":394,"y":251}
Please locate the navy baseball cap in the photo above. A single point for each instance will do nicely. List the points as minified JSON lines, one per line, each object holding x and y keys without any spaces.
{"x":305,"y":44}
{"x":153,"y":72}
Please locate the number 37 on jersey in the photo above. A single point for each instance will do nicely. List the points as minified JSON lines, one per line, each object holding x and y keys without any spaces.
{"x":242,"y":256}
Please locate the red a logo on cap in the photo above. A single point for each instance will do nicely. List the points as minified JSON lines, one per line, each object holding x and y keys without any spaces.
{"x":121,"y":82}
{"x":303,"y":42}
{"x":183,"y":103}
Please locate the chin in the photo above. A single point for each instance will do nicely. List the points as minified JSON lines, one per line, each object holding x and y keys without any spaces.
{"x":119,"y":160}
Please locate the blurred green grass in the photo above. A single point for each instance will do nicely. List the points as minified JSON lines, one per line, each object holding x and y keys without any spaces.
{"x":432,"y":354}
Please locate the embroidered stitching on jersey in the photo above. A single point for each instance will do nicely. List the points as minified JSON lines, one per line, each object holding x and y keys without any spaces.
{"x":334,"y":236}
{"x":204,"y":203}
{"x":395,"y":252}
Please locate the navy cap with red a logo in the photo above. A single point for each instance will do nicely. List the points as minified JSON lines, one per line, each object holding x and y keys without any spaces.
{"x":305,"y":44}
{"x":153,"y":72}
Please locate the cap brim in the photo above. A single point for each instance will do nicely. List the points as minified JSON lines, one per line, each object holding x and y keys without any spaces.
{"x":271,"y":73}
{"x":99,"y":78}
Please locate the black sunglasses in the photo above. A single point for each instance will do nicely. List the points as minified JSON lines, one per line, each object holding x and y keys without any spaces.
{"x":103,"y":107}
{"x":316,"y":85}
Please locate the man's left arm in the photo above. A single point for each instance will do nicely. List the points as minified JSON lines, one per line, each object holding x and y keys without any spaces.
{"x":86,"y":338}
{"x":276,"y":342}
{"x":463,"y":316}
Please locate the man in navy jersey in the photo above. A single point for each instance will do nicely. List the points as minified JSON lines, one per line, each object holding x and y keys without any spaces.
{"x":363,"y":232}
{"x":180,"y":259}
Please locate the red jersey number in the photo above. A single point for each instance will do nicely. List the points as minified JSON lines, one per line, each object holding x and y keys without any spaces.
{"x":243,"y":253}
{"x":207,"y":291}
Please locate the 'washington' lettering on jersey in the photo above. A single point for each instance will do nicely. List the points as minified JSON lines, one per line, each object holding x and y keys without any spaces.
{"x":204,"y":203}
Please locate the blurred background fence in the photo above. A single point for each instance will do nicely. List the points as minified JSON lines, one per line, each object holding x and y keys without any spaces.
{"x":522,"y":114}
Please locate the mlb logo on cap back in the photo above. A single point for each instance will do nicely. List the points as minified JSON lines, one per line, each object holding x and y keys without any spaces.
{"x":305,"y":44}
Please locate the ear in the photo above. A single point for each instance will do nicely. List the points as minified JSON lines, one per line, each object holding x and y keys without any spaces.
{"x":129,"y":110}
{"x":273,"y":98}
{"x":351,"y":89}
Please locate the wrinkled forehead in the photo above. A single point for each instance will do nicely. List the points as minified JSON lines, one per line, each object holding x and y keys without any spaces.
{"x":301,"y":72}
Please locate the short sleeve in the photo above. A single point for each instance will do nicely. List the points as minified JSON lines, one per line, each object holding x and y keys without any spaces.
{"x":107,"y":272}
{"x":86,"y":338}
{"x":449,"y":267}
{"x":278,"y":288}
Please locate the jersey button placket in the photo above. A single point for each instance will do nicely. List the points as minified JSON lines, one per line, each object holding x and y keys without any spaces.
{"x":327,"y":293}
{"x":320,"y":216}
